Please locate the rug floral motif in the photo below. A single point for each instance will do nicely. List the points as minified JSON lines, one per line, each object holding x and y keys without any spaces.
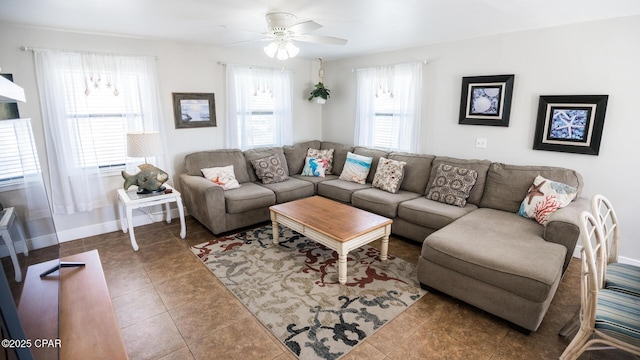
{"x":293,"y":289}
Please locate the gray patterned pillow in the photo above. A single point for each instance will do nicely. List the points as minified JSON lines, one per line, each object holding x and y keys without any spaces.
{"x":389,"y":175}
{"x":269,"y":170}
{"x":452,"y":185}
{"x":326,"y":154}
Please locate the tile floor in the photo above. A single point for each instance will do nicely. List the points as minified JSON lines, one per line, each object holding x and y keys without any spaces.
{"x":171,"y":307}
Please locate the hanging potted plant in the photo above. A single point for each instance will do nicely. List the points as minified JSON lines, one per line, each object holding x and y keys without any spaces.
{"x":320,"y":93}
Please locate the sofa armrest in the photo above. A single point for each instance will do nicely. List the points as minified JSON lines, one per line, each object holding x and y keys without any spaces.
{"x":204,"y":201}
{"x":563,"y":226}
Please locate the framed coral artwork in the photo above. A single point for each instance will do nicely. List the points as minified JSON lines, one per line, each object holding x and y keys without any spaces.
{"x":570,"y":123}
{"x":486,"y":100}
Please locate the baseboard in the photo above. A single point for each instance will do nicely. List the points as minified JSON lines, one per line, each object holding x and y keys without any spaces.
{"x":87,"y":231}
{"x":621,"y":259}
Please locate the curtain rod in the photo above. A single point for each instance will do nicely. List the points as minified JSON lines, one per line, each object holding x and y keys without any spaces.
{"x":31,"y":48}
{"x":356,"y":69}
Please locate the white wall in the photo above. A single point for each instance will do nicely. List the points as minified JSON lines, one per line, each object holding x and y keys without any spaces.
{"x":585,"y":59}
{"x":182,"y":68}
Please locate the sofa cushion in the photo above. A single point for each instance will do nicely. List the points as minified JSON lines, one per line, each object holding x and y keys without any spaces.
{"x":339,"y":155}
{"x":314,"y":167}
{"x":380,"y":201}
{"x":389,"y":175}
{"x":480,"y":166}
{"x":416,"y":172}
{"x":292,"y":189}
{"x":356,"y":168}
{"x":340,"y":190}
{"x":315,"y":180}
{"x":258,"y":153}
{"x":507,"y":185}
{"x":544,"y":198}
{"x":452,"y":185}
{"x":193,"y":163}
{"x":269,"y":169}
{"x":432,"y":214}
{"x":501,"y":249}
{"x":372,"y":153}
{"x":296,"y":153}
{"x":248,"y":197}
{"x":326,"y":155}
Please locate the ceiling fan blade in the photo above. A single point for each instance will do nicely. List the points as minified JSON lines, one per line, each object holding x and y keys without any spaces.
{"x":304,"y":27}
{"x":248,"y":41}
{"x":320,"y":39}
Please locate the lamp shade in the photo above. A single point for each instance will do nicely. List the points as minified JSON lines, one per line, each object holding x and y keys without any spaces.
{"x":142,"y":144}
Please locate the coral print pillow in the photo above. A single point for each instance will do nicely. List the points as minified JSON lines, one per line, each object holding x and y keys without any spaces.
{"x":544,"y":198}
{"x":356,"y":168}
{"x":314,"y":167}
{"x":222,"y":176}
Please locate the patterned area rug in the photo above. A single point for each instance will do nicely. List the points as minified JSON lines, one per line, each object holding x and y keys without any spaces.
{"x":293,"y":289}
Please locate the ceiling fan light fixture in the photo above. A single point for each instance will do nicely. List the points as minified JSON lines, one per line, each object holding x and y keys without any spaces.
{"x":271,"y":49}
{"x":292,"y":50}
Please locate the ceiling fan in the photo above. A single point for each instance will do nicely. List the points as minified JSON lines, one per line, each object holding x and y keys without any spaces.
{"x":283,"y":30}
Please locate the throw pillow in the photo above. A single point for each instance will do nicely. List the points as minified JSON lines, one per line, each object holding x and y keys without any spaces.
{"x":326,"y":154}
{"x":544,"y":198}
{"x":389,"y":175}
{"x":314,"y":167}
{"x":222,"y":176}
{"x":269,"y":170}
{"x":452,"y":185}
{"x":356,"y":168}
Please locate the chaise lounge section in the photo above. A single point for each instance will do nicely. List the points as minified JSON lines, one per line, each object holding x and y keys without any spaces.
{"x":483,"y":252}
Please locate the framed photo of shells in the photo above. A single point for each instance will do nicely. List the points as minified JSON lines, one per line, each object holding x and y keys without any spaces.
{"x":193,"y":110}
{"x":486,"y":100}
{"x":570,"y":123}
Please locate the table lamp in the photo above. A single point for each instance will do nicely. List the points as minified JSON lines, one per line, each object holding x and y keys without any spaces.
{"x":150,"y":179}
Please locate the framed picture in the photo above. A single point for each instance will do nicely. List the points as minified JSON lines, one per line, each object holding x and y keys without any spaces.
{"x":570,"y":123}
{"x":193,"y":110}
{"x":486,"y":100}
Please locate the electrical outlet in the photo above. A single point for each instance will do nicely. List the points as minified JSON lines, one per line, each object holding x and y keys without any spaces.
{"x":481,"y":143}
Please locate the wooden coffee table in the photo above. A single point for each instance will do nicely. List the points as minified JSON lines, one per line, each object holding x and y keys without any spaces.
{"x":335,"y":225}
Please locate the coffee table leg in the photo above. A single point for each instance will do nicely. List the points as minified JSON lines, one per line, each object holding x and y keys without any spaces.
{"x":276,"y":233}
{"x":384,"y":248}
{"x":342,"y":268}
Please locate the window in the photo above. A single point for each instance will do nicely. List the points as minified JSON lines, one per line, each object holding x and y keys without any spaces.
{"x":388,"y":107}
{"x":98,"y":119}
{"x":259,"y":107}
{"x":89,"y":102}
{"x":18,"y":158}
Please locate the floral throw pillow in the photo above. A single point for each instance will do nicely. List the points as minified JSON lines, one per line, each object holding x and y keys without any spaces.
{"x":452,"y":185}
{"x":389,"y":175}
{"x":222,"y":176}
{"x":356,"y":168}
{"x":326,"y":154}
{"x":269,"y":170}
{"x":314,"y":167}
{"x":544,"y":198}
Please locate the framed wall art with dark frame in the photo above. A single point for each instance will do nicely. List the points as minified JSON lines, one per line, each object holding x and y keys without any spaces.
{"x":193,"y":110}
{"x":570,"y":123}
{"x":486,"y":100}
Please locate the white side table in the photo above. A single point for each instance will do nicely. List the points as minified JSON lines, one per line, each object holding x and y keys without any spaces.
{"x":130,"y":200}
{"x":10,"y":223}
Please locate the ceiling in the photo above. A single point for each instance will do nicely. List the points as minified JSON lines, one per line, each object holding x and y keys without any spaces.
{"x":369,"y":25}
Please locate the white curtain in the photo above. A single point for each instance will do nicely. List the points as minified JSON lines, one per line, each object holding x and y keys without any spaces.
{"x":37,"y":204}
{"x":243,"y":83}
{"x":402,"y":84}
{"x":67,"y":81}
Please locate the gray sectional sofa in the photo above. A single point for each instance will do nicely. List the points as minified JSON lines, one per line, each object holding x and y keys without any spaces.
{"x":483,"y":253}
